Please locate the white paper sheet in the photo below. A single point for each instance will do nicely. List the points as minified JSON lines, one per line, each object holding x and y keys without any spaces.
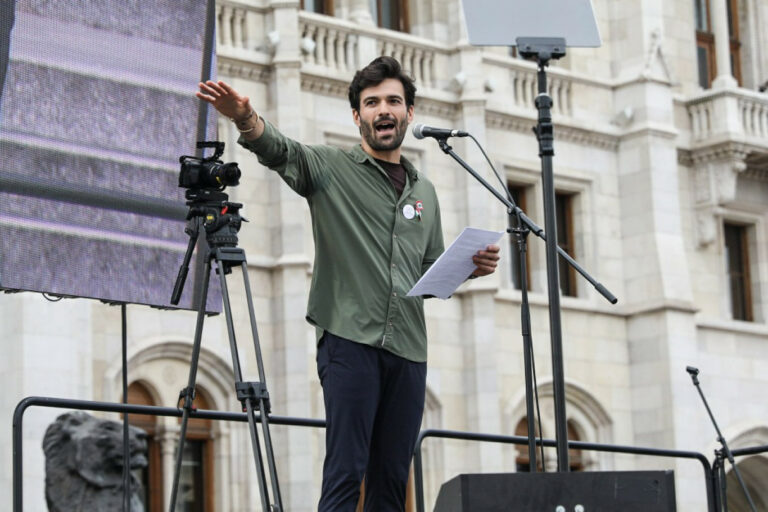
{"x":454,"y":266}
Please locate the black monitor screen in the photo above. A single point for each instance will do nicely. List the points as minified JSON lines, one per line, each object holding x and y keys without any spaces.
{"x":96,"y":106}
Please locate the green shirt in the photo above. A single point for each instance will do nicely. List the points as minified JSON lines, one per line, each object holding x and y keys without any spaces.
{"x":368,"y":253}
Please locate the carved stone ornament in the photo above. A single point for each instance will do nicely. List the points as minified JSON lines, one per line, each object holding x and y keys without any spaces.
{"x":84,"y":464}
{"x":715,"y":175}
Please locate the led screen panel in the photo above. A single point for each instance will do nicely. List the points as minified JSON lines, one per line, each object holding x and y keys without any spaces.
{"x":96,"y":106}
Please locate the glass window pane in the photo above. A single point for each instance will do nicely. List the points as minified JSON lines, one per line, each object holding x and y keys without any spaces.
{"x":703,"y":62}
{"x":737,"y":265}
{"x":190,"y":494}
{"x":700,"y":15}
{"x":374,"y":5}
{"x":563,"y":216}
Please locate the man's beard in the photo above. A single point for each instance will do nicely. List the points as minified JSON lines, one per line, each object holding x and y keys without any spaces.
{"x":369,"y":134}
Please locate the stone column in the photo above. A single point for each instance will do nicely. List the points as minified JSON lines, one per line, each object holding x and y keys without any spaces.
{"x":40,"y":357}
{"x":169,"y":439}
{"x":719,"y":16}
{"x":480,"y":210}
{"x":290,"y":365}
{"x":658,"y":296}
{"x":360,"y":12}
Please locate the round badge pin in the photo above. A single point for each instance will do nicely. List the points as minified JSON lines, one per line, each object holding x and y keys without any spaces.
{"x":408,"y":211}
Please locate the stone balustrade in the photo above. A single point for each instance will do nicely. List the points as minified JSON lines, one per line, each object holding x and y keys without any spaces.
{"x":335,"y":45}
{"x":700,"y":114}
{"x":753,"y":111}
{"x":231,"y":26}
{"x":328,"y":43}
{"x":525,"y":89}
{"x":418,"y":59}
{"x":736,"y":113}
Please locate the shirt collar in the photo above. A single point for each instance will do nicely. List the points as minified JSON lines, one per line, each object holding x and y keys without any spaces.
{"x":360,"y":156}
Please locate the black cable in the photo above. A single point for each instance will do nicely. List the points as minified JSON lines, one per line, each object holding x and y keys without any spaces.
{"x":498,"y":176}
{"x":533,"y":359}
{"x":538,"y":409}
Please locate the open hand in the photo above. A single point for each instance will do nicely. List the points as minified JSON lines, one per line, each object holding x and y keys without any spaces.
{"x":225,"y":99}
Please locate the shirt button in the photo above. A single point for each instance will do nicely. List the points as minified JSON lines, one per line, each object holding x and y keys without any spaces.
{"x":394,"y":294}
{"x":394,"y":236}
{"x":393,"y":265}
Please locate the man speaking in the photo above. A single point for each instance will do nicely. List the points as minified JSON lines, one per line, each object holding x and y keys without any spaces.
{"x":376,"y":226}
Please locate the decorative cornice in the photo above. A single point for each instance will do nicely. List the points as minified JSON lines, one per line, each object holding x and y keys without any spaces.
{"x":324,"y":85}
{"x":756,"y":174}
{"x":244,"y":69}
{"x":684,"y":157}
{"x":757,"y":166}
{"x":329,"y":86}
{"x":523,"y":124}
{"x":729,"y":150}
{"x":437,"y":108}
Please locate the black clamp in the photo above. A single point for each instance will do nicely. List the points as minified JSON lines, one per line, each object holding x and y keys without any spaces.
{"x":188,"y":395}
{"x":254,"y":391}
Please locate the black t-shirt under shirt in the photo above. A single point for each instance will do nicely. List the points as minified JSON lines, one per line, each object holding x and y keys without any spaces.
{"x":396,"y":173}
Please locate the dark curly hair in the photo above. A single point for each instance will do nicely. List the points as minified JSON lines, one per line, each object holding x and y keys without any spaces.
{"x":376,"y":72}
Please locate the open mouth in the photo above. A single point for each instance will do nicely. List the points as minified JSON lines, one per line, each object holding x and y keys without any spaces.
{"x":385,"y":127}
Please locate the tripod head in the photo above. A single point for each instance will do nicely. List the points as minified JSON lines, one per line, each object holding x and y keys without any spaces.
{"x":205,"y":180}
{"x":220,"y":217}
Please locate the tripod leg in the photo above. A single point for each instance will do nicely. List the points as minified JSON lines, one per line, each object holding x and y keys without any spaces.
{"x":189,"y":392}
{"x":220,"y":268}
{"x":264,"y":406}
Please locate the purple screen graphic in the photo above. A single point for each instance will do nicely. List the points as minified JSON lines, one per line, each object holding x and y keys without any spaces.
{"x":98,"y":98}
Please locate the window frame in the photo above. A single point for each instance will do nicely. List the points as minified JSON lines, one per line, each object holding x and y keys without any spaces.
{"x":403,"y":14}
{"x":740,"y":232}
{"x":327,"y":8}
{"x":139,"y":394}
{"x":564,"y":205}
{"x":705,"y":40}
{"x":522,"y":190}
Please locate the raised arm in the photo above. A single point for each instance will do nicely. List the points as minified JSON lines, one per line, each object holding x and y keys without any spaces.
{"x":233,"y":105}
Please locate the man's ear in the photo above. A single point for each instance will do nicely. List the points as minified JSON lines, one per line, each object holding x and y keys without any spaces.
{"x":356,"y":117}
{"x":410,"y":114}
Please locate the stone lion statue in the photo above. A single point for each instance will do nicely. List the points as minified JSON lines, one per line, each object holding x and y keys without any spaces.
{"x":84,"y":464}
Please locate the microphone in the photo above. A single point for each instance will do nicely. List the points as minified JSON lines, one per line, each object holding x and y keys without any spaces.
{"x":420,"y":131}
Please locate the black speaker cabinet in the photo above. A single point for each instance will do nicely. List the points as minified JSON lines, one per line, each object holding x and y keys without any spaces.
{"x":607,"y":491}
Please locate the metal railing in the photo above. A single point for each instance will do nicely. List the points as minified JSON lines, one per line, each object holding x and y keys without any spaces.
{"x":148,"y":410}
{"x":711,"y":478}
{"x":469,"y":436}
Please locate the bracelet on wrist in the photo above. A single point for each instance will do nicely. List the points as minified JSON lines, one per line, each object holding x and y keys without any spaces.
{"x":246,"y":118}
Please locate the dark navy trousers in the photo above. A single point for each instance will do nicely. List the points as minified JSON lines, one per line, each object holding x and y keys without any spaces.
{"x":374,"y":401}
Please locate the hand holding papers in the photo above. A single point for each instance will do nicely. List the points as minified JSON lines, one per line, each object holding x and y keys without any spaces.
{"x":454,"y":266}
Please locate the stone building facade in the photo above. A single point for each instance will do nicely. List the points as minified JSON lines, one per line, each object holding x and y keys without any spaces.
{"x":661,"y":173}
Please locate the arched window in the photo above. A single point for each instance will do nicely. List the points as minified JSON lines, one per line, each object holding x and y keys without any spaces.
{"x":196,"y":478}
{"x":523,"y":461}
{"x":753,"y":471}
{"x":575,"y":462}
{"x":151,"y":477}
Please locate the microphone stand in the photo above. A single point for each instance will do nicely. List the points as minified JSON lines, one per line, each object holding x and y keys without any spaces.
{"x":522,"y":233}
{"x":719,"y":465}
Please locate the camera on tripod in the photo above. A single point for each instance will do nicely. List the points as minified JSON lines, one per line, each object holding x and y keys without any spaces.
{"x":210,"y":172}
{"x":209,"y":207}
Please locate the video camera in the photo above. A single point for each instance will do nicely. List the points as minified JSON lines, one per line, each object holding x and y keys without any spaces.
{"x":210,"y":172}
